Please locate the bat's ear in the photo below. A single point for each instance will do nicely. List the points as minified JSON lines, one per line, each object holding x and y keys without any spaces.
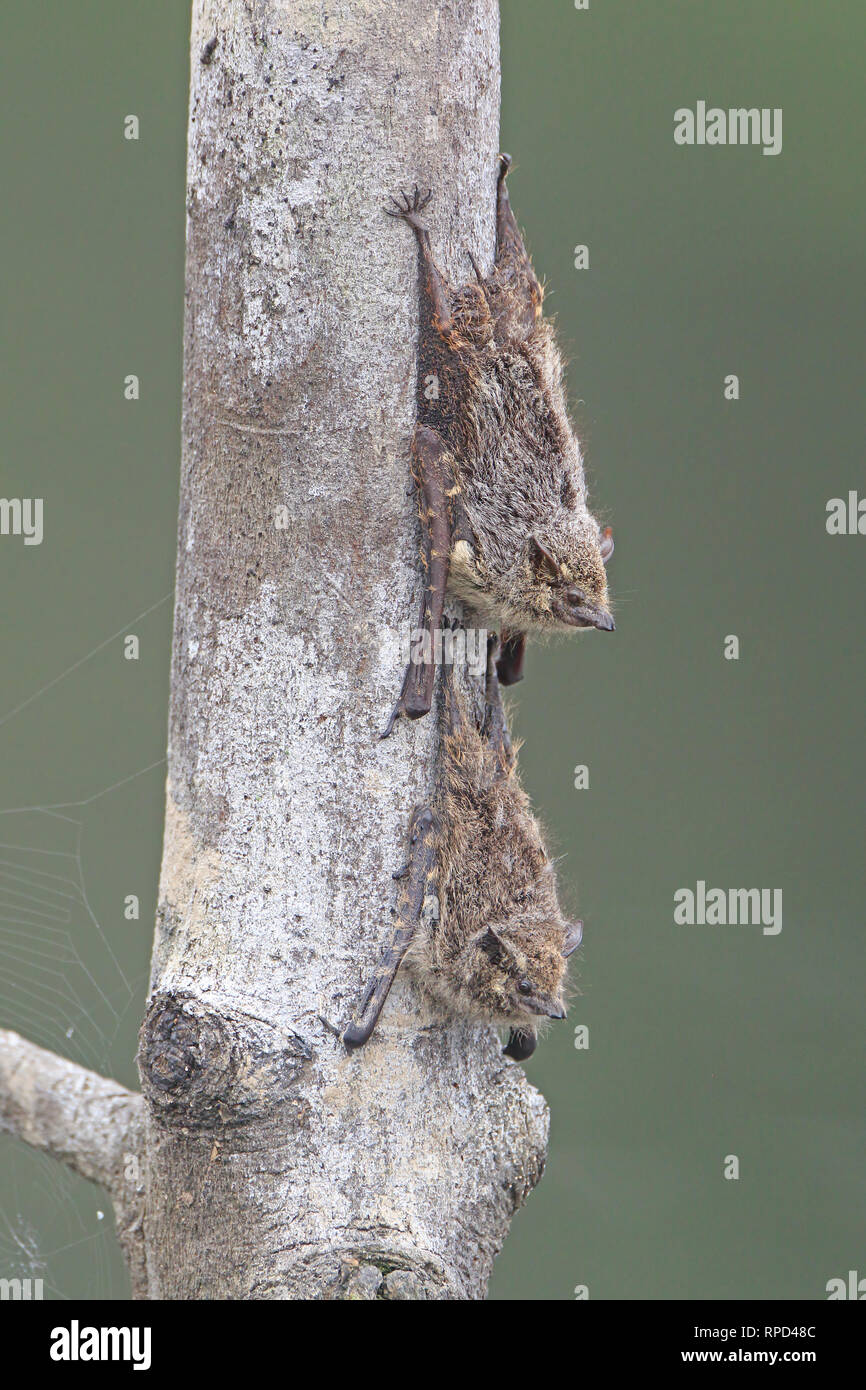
{"x":605,"y":545}
{"x":490,"y":942}
{"x":541,"y":560}
{"x":573,"y":937}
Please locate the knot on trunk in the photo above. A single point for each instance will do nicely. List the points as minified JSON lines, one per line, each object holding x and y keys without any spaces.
{"x":200,"y":1068}
{"x":371,"y":1275}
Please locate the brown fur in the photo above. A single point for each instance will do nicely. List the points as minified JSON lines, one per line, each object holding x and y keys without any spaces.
{"x":478,"y":919}
{"x":495,"y":949}
{"x":526,"y":551}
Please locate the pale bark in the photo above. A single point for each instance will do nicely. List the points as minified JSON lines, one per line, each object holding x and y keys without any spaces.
{"x":277,"y":1165}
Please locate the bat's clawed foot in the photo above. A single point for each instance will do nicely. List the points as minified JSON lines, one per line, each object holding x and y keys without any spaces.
{"x":505,"y":163}
{"x":392,"y":720}
{"x":409,"y":205}
{"x":400,"y":708}
{"x":416,"y":696}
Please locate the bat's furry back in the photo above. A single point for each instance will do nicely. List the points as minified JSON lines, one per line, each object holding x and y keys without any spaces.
{"x":478,"y":919}
{"x":526,"y":550}
{"x":496,"y":948}
{"x":502,"y":496}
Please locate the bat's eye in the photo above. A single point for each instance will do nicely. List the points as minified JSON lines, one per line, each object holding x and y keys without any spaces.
{"x":575,"y":597}
{"x":525,"y":986}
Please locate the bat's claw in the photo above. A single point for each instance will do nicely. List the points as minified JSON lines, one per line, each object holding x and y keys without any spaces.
{"x":479,"y":276}
{"x":408,"y":206}
{"x":413,"y":702}
{"x":398,"y":709}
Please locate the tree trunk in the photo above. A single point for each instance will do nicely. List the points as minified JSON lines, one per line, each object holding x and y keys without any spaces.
{"x":276,"y":1165}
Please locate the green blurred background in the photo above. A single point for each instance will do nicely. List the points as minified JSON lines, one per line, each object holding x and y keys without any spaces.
{"x":704,"y":1041}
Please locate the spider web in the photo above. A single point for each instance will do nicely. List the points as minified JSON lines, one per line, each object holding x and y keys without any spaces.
{"x":64,"y":986}
{"x":57,"y":1228}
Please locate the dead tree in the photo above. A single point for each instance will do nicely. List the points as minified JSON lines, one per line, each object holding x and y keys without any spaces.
{"x":261,"y":1160}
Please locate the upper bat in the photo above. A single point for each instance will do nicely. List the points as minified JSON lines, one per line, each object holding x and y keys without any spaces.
{"x":503,"y":501}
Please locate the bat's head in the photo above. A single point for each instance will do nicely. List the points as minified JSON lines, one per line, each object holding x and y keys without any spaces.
{"x":565,"y":574}
{"x":518,"y":965}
